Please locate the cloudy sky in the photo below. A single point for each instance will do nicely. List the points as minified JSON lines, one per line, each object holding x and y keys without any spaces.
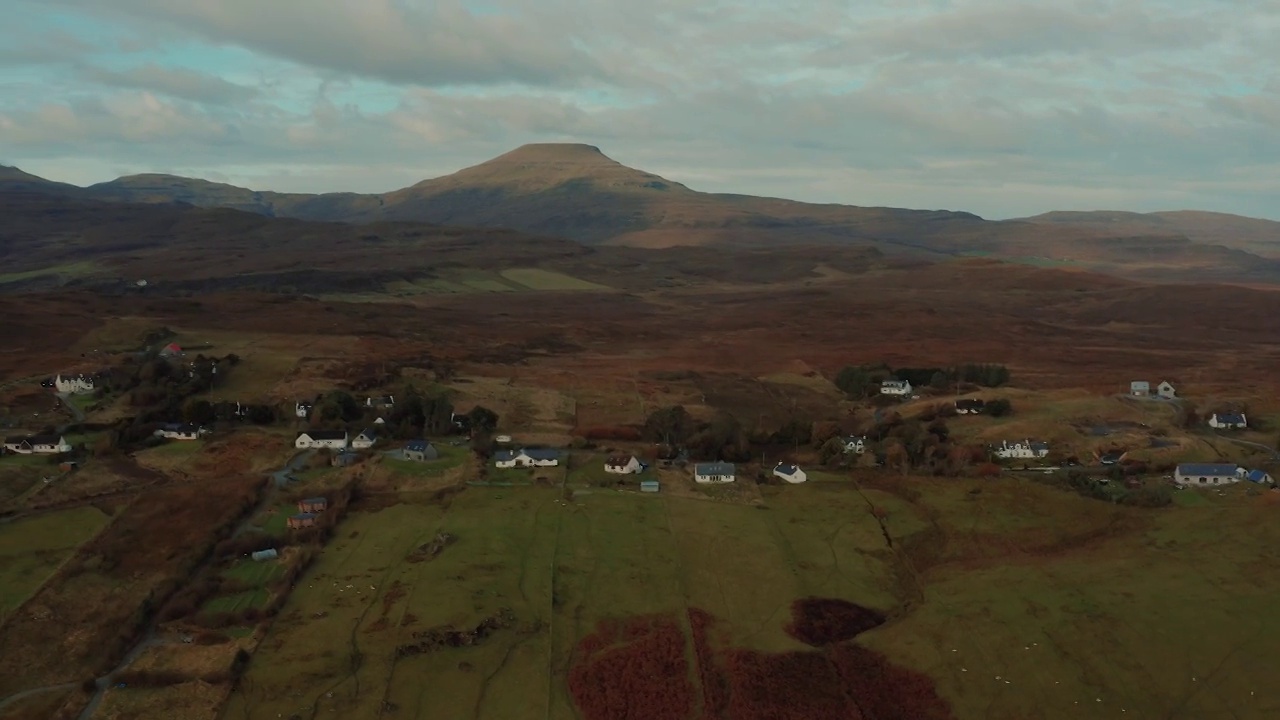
{"x":1000,"y":107}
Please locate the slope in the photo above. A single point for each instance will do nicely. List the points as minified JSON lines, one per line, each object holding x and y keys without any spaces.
{"x":1261,"y":237}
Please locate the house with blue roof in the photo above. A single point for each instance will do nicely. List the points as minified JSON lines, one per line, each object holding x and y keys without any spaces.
{"x":714,"y":472}
{"x":1259,"y":476}
{"x":1228,"y":421}
{"x":420,"y":450}
{"x":790,"y":473}
{"x":527,"y":457}
{"x":1205,"y":474}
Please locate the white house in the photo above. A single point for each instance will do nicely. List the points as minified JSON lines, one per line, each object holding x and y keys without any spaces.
{"x":895,"y":387}
{"x":331,"y":439}
{"x":75,"y":384}
{"x":385,"y":401}
{"x":1208,"y":474}
{"x":790,"y":473}
{"x":1166,"y":391}
{"x":302,"y":409}
{"x":526,"y":458}
{"x":1231,"y":421}
{"x":1258,"y":476}
{"x":365,"y":440}
{"x":180,"y":431}
{"x":37,"y":445}
{"x":623,"y":465}
{"x":1140,"y":388}
{"x":1025,"y":449}
{"x":854,"y":445}
{"x":713,"y":472}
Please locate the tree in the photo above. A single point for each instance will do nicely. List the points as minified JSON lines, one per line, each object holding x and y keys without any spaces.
{"x":669,"y":426}
{"x":999,"y":407}
{"x":198,"y":412}
{"x":854,"y":381}
{"x":939,"y":381}
{"x":483,"y":419}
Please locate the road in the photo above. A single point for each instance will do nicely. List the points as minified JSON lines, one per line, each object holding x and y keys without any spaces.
{"x":1275,"y":454}
{"x":76,"y":412}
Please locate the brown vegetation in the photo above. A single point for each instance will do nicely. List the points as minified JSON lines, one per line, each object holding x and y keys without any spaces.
{"x":633,"y":670}
{"x":825,"y":621}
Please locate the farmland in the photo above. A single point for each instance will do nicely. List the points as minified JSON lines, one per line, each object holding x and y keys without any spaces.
{"x":1013,"y":573}
{"x":32,"y":549}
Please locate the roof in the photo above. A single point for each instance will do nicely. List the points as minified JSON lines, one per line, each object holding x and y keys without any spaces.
{"x":714,"y":468}
{"x":786,"y":469}
{"x":1209,"y":469}
{"x":504,"y":455}
{"x":855,"y":438}
{"x":417,"y":445}
{"x":324,"y":434}
{"x":1257,"y":475}
{"x":893,"y":382}
{"x":541,"y":453}
{"x":1039,"y":445}
{"x":316,"y":500}
{"x":368,"y":433}
{"x":45,"y":439}
{"x":304,"y":516}
{"x":618,"y":460}
{"x":1140,"y":383}
{"x":181,"y":427}
{"x":15,"y":440}
{"x":644,"y":483}
{"x":1232,"y":418}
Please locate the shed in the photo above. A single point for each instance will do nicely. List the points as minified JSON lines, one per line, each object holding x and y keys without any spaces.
{"x":648,"y":486}
{"x":1140,"y":388}
{"x":301,"y":520}
{"x":313,"y":505}
{"x":268,"y":554}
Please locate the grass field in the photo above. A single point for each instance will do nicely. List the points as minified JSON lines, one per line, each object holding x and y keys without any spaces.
{"x":539,"y":279}
{"x":76,"y":269}
{"x":451,"y":456}
{"x":31,"y":550}
{"x":1070,"y":599}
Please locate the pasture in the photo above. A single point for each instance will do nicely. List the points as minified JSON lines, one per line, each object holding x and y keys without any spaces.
{"x":539,"y":279}
{"x":32,"y":549}
{"x":1069,"y":600}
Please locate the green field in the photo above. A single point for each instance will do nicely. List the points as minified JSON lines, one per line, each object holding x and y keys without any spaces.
{"x":31,"y":550}
{"x":1087,"y":609}
{"x":76,"y":269}
{"x":588,"y":469}
{"x":539,"y":279}
{"x":256,"y":574}
{"x":450,"y":457}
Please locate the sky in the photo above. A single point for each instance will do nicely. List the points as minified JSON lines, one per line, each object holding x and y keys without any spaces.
{"x":1005,"y":108}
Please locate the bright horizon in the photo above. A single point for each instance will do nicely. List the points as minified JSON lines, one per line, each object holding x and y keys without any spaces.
{"x":987,"y":106}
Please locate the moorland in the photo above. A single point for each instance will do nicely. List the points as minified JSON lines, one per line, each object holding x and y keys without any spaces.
{"x":922,"y":578}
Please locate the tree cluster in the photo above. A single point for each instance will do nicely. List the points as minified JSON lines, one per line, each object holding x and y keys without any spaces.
{"x":862,"y":381}
{"x":722,"y":438}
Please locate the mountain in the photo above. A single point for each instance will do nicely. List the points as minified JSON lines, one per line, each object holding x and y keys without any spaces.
{"x":1253,"y":235}
{"x":575,"y":191}
{"x":13,"y":180}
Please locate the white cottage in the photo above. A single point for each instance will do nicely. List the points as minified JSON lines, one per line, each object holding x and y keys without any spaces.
{"x":321,"y":439}
{"x":854,"y":445}
{"x":365,"y":440}
{"x":37,"y":445}
{"x":790,"y":473}
{"x":1166,"y":390}
{"x":179,"y":431}
{"x":74,"y":384}
{"x":302,"y":410}
{"x":1024,"y":449}
{"x":527,"y":457}
{"x":1208,"y":474}
{"x":895,"y":387}
{"x":1228,"y":421}
{"x":623,"y":465}
{"x":714,"y":472}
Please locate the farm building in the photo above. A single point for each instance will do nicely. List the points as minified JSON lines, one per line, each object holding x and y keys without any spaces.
{"x":790,"y":473}
{"x":313,"y":505}
{"x":331,"y":439}
{"x":74,"y":384}
{"x":365,"y":440}
{"x":420,"y":450}
{"x":623,"y":465}
{"x":1228,"y":421}
{"x":648,"y":486}
{"x":301,"y":520}
{"x":526,"y":458}
{"x":1023,"y":449}
{"x":895,"y":387}
{"x":1207,"y":474}
{"x":344,"y":458}
{"x":37,"y":445}
{"x":268,"y":554}
{"x":714,"y":472}
{"x":1140,"y":388}
{"x":970,"y":406}
{"x":179,"y":431}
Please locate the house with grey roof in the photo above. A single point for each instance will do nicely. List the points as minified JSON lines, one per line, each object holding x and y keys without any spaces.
{"x":1199,"y":474}
{"x":365,"y":440}
{"x":420,"y":450}
{"x":714,"y":472}
{"x":1228,"y":421}
{"x":317,"y":439}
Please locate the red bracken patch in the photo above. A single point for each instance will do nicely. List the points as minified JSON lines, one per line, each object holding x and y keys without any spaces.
{"x":633,"y":670}
{"x":821,"y":621}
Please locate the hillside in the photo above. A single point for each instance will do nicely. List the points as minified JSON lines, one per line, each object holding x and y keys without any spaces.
{"x":1261,"y":237}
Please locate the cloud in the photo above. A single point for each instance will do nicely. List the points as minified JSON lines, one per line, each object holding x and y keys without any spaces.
{"x":175,"y":82}
{"x":1000,"y":107}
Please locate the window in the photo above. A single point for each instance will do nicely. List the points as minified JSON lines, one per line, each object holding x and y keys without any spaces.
{"x":1202,"y":481}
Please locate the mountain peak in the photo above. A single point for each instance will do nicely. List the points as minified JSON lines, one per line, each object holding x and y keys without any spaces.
{"x":554,"y":152}
{"x":541,"y":166}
